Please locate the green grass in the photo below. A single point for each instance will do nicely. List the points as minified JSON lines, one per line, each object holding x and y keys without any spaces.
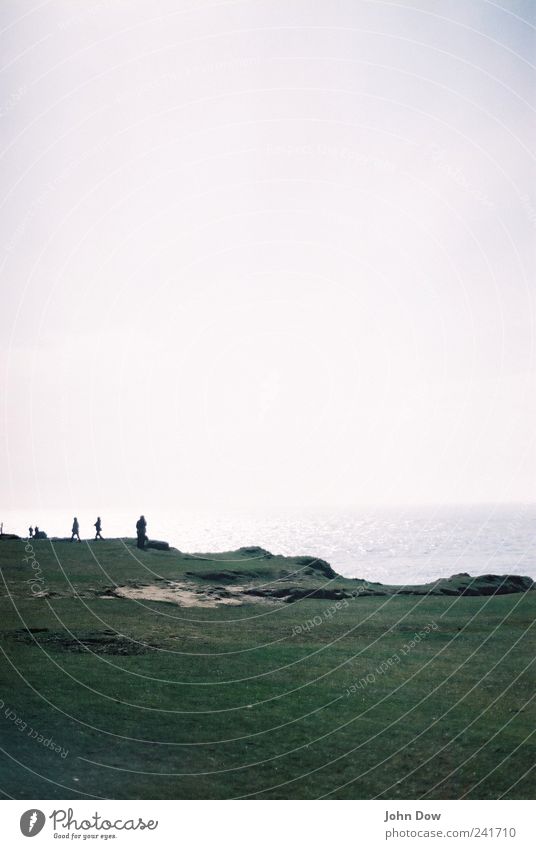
{"x":241,"y":701}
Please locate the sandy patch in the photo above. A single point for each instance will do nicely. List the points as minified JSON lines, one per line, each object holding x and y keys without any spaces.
{"x":185,"y":596}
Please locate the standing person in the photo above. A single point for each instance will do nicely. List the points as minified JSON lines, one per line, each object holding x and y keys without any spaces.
{"x":76,"y":530}
{"x":141,"y":529}
{"x":30,"y":532}
{"x":98,"y":528}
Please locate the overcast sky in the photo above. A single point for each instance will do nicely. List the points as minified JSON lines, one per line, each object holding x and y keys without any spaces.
{"x":269,"y":253}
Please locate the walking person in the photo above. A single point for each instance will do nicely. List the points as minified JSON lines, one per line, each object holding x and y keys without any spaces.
{"x":75,"y":533}
{"x":98,"y":528}
{"x":141,"y":532}
{"x":30,"y":532}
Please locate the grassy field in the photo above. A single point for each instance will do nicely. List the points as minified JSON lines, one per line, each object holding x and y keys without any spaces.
{"x":113,"y":697}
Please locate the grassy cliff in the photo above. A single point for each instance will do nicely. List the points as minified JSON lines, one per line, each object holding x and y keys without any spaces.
{"x":154,"y":674}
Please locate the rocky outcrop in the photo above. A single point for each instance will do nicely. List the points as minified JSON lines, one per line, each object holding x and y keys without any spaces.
{"x":160,"y":545}
{"x":464,"y":585}
{"x":315,"y":564}
{"x":255,"y":551}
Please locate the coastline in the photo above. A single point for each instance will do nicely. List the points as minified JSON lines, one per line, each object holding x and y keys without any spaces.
{"x":257,"y":676}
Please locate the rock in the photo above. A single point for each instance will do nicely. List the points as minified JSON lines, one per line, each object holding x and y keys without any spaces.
{"x":158,"y":544}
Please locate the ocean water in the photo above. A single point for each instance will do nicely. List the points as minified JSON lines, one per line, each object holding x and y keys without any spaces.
{"x":388,"y":545}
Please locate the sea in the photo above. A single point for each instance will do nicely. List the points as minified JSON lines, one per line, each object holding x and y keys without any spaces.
{"x":389,"y":545}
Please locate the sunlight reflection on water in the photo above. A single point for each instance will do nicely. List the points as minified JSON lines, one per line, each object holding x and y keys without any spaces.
{"x":404,"y":546}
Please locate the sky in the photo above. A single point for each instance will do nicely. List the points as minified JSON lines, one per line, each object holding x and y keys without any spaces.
{"x":268,"y":253}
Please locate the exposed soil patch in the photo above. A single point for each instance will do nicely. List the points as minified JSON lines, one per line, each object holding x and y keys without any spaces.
{"x":222,"y":575}
{"x":188,"y":595}
{"x":185,"y":595}
{"x":98,"y":642}
{"x":290,"y":594}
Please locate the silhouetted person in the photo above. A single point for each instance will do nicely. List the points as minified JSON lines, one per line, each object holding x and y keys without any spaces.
{"x":141,"y":528}
{"x":30,"y":532}
{"x":75,"y":533}
{"x":98,"y":528}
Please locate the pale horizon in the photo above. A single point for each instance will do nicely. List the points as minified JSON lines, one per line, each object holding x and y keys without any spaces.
{"x":282,"y":257}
